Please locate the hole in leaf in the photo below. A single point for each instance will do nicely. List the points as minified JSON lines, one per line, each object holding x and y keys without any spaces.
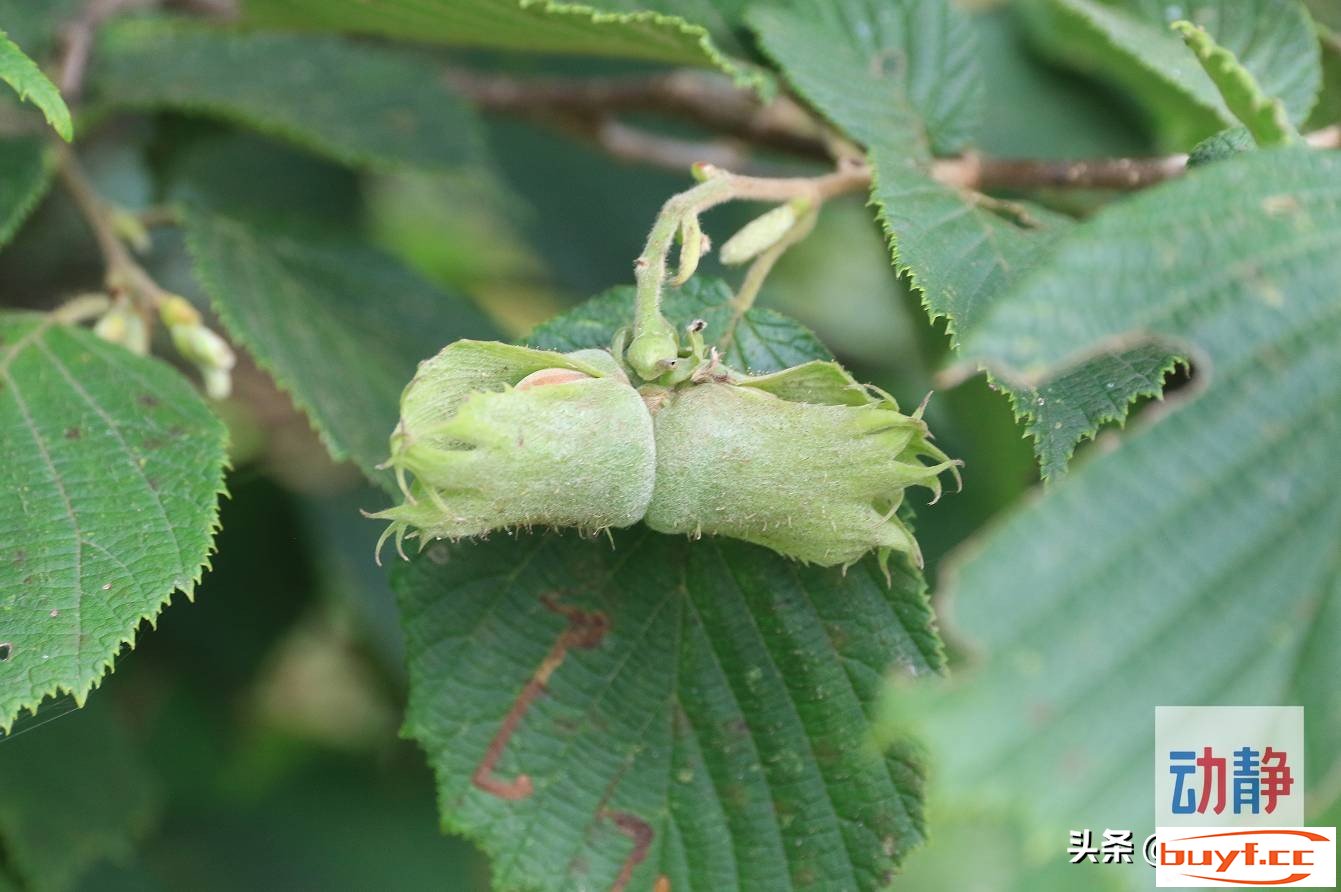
{"x":1178,"y":381}
{"x":5,"y":650}
{"x":1182,"y":376}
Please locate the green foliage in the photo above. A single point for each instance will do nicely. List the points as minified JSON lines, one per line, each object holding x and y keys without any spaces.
{"x":1197,"y":562}
{"x":356,"y":103}
{"x":25,"y":174}
{"x":112,"y":471}
{"x":1128,"y":42}
{"x":32,"y":85}
{"x":712,"y":718}
{"x":1225,"y":144}
{"x":761,"y":340}
{"x":654,"y":31}
{"x":339,"y":326}
{"x":638,"y":710}
{"x":959,"y":254}
{"x":901,"y":73}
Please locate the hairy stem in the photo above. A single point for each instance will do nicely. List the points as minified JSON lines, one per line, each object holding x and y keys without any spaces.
{"x":718,"y":187}
{"x":123,"y":275}
{"x":759,"y":270}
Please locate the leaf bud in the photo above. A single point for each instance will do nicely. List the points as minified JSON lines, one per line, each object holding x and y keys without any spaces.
{"x":123,"y":325}
{"x":763,"y":232}
{"x":691,"y":248}
{"x":131,"y":229}
{"x":177,"y":310}
{"x":202,"y":347}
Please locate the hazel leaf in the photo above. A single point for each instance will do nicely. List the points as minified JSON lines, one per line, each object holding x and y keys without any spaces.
{"x":22,"y":73}
{"x":1216,"y":522}
{"x":108,"y":503}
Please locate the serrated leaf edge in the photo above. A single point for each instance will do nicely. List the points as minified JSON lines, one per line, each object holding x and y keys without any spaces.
{"x":105,"y":667}
{"x":1221,"y":111}
{"x":276,"y":126}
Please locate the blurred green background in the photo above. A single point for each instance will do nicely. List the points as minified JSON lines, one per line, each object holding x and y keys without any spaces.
{"x":250,"y":741}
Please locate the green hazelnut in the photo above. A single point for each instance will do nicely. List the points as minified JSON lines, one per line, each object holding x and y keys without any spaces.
{"x":806,"y":462}
{"x":496,"y":436}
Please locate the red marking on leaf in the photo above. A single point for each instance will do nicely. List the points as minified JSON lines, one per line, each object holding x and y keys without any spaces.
{"x":641,"y":832}
{"x":585,"y":630}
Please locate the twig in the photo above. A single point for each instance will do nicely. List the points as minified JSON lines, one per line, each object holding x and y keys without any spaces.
{"x":159,"y":215}
{"x":759,"y":270}
{"x":123,"y":275}
{"x":586,"y":106}
{"x":77,"y":42}
{"x":709,"y":100}
{"x":984,"y":174}
{"x":1019,"y":174}
{"x":633,"y":144}
{"x":78,"y":35}
{"x":637,"y":146}
{"x":763,"y":264}
{"x":1330,"y":38}
{"x":1326,"y":138}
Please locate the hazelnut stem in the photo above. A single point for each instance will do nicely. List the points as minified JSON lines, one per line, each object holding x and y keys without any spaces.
{"x":654,"y":346}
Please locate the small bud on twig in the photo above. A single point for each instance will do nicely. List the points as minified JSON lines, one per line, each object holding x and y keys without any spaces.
{"x":763,"y":232}
{"x":691,"y":246}
{"x":123,"y":325}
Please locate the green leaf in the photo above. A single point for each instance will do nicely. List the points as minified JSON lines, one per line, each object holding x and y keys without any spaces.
{"x":108,"y":500}
{"x":360,"y":104}
{"x":339,"y":326}
{"x":763,"y":340}
{"x":1263,"y":115}
{"x":1072,"y":407}
{"x":901,"y":72}
{"x":32,"y":85}
{"x":1225,"y":144}
{"x":670,"y":31}
{"x":1036,"y":110}
{"x":962,"y":257}
{"x":959,"y":254}
{"x":76,"y":791}
{"x":1128,"y":42}
{"x":1196,"y":562}
{"x":710,"y":727}
{"x":26,"y":167}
